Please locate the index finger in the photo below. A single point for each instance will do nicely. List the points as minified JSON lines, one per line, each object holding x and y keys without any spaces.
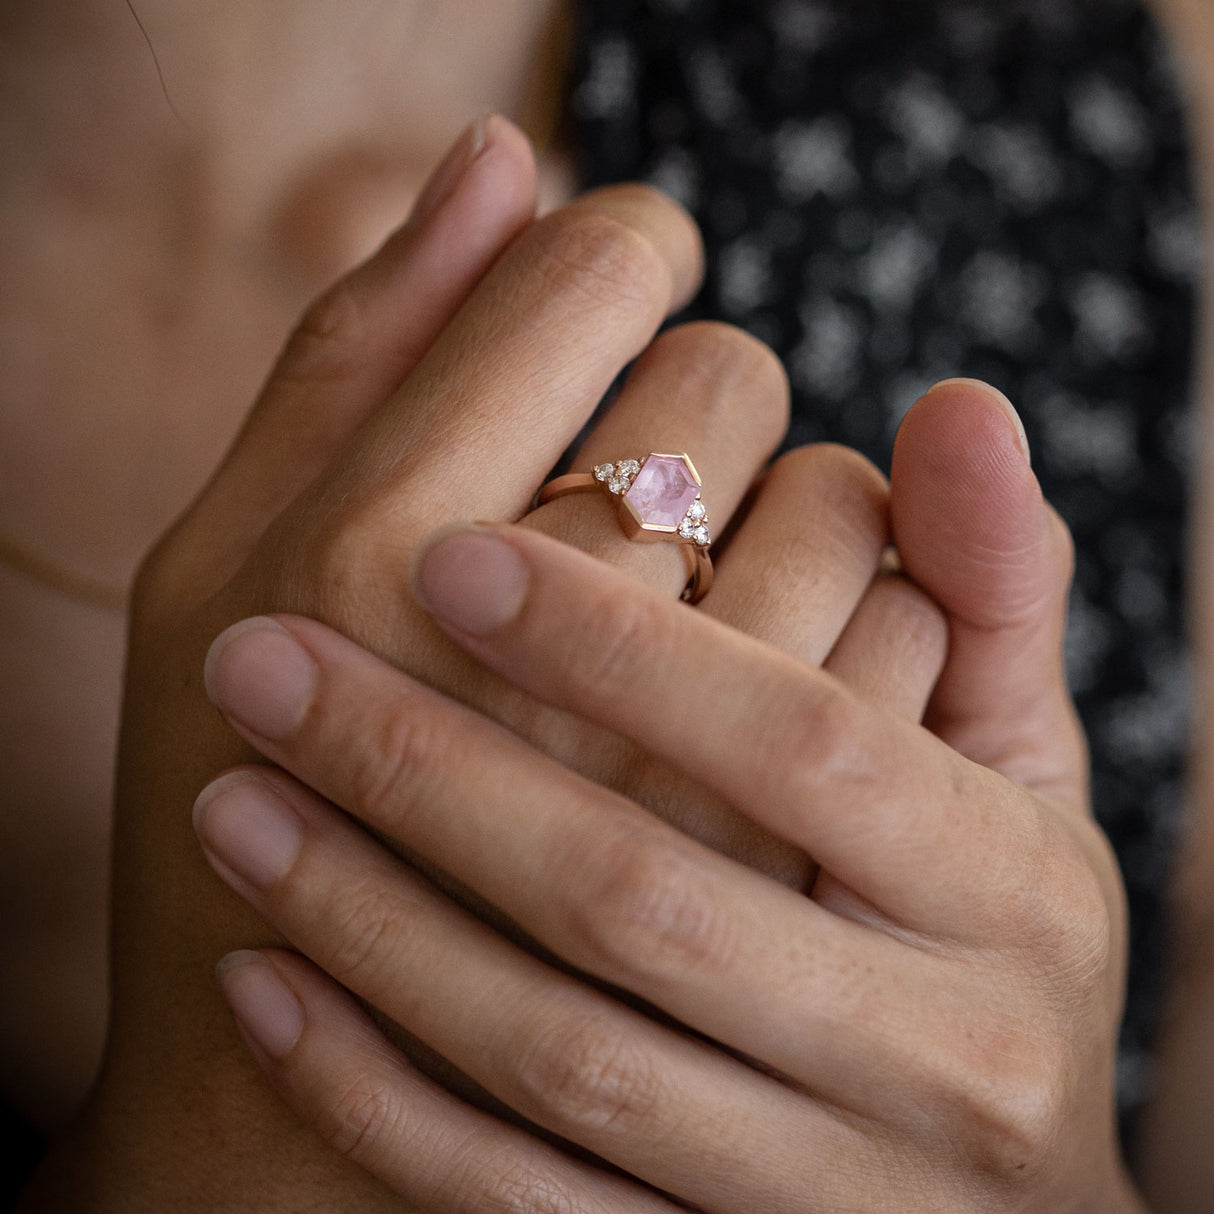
{"x":888,"y":809}
{"x":515,"y":375}
{"x":359,"y":341}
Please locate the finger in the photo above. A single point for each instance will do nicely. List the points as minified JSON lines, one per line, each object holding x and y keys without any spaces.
{"x":879,"y":802}
{"x":792,"y":576}
{"x":513,"y":378}
{"x":890,"y":654}
{"x":360,"y":340}
{"x":802,"y":574}
{"x":556,"y":1051}
{"x":705,"y":388}
{"x":601,"y":884}
{"x":971,"y":528}
{"x":806,"y":551}
{"x":334,"y":1068}
{"x":715,"y":392}
{"x":893,"y":648}
{"x":589,"y":875}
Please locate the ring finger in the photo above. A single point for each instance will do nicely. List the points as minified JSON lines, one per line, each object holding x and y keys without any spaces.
{"x":706,"y":389}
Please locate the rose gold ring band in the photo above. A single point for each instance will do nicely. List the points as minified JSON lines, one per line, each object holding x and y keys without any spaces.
{"x":659,"y":500}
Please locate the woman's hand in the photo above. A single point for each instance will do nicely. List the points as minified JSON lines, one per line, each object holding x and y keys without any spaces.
{"x":932,"y":1029}
{"x":444,"y":378}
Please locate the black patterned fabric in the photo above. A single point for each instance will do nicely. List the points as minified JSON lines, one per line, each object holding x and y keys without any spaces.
{"x":897,"y":191}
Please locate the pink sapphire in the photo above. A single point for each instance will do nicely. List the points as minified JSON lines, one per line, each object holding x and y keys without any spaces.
{"x":662,"y":491}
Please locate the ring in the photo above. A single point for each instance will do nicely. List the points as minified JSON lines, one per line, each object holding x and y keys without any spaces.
{"x":659,"y":499}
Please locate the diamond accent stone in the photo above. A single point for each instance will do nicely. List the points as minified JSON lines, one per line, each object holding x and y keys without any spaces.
{"x":604,"y":472}
{"x":629,"y":467}
{"x":697,"y":511}
{"x":687,"y":529}
{"x":617,"y":484}
{"x":662,"y":490}
{"x":700,"y":535}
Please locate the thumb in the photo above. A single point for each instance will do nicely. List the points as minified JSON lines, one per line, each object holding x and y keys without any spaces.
{"x":973,"y":530}
{"x":359,"y":341}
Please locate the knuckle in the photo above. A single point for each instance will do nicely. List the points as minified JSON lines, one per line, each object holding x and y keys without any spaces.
{"x":328,"y":340}
{"x":743,"y":374}
{"x":505,"y":1184}
{"x":1068,"y":934}
{"x":586,"y":253}
{"x":327,"y":565}
{"x":358,"y":933}
{"x":580,"y":1077}
{"x":342,"y":548}
{"x":1010,"y":1112}
{"x":367,"y":1113}
{"x":524,"y":1190}
{"x":646,"y":908}
{"x":844,"y":477}
{"x":626,"y":633}
{"x":1059,"y":916}
{"x":398,"y":744}
{"x":830,"y":735}
{"x":848,"y":494}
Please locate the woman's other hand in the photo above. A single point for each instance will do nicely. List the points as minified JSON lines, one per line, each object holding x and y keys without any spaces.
{"x":932,"y":1028}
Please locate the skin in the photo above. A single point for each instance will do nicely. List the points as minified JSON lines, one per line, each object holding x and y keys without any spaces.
{"x":85,"y":632}
{"x":149,"y":275}
{"x":947,"y":892}
{"x":376,"y":426}
{"x":368,"y":432}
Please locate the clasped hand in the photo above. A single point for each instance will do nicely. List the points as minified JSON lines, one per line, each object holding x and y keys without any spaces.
{"x":629,"y":790}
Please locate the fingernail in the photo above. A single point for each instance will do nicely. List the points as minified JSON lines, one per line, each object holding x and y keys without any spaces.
{"x":1002,"y":401}
{"x":445,"y":179}
{"x":245,"y":825}
{"x":471,"y":579}
{"x":259,"y":675}
{"x":265,"y":1007}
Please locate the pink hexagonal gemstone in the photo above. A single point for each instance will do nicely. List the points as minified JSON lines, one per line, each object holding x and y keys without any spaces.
{"x":662,"y":491}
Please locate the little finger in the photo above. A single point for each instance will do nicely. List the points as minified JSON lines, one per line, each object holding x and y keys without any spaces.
{"x":806,"y":551}
{"x":893,"y":648}
{"x":335,"y":1069}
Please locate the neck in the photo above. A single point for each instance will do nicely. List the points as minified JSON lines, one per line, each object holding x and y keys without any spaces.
{"x":313,"y":95}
